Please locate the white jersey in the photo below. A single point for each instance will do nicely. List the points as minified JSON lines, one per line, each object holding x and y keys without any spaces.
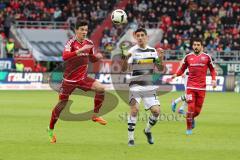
{"x":142,"y":63}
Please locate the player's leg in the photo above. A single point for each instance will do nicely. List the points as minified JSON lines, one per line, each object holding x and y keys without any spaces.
{"x":98,"y":101}
{"x":191,"y":98}
{"x":198,"y":105}
{"x":151,"y":102}
{"x":91,"y":84}
{"x":65,"y":90}
{"x":132,"y":120}
{"x":134,"y":101}
{"x":182,"y":98}
{"x":199,"y":102}
{"x":181,"y":109}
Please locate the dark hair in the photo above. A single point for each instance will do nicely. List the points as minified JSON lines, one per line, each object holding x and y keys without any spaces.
{"x":196,"y":40}
{"x":80,"y":24}
{"x":141,"y":30}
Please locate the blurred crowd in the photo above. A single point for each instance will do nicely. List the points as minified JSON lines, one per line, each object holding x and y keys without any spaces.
{"x":53,"y":10}
{"x":215,"y":21}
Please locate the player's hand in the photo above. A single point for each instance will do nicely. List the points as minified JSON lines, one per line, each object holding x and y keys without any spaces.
{"x":85,"y":47}
{"x":174,"y":76}
{"x":214,"y":84}
{"x":160,"y":53}
{"x":99,"y":56}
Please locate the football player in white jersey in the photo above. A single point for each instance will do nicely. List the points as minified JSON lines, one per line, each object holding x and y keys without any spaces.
{"x":141,"y":60}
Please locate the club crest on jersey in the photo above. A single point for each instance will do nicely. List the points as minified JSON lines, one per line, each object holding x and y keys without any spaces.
{"x":203,"y":58}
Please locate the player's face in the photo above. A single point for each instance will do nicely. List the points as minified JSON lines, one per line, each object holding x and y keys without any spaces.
{"x":81,"y":32}
{"x":197,"y":47}
{"x":141,"y":38}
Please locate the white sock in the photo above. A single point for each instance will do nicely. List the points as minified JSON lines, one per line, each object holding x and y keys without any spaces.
{"x":131,"y":126}
{"x":180,"y":99}
{"x":183,"y":106}
{"x":152,"y":120}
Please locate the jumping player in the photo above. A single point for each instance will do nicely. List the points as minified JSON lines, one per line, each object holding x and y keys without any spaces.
{"x":77,"y":53}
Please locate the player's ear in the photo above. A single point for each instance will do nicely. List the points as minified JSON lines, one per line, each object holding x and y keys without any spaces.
{"x":134,"y":35}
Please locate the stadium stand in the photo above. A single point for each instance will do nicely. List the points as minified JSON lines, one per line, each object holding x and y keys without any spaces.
{"x":216,"y":21}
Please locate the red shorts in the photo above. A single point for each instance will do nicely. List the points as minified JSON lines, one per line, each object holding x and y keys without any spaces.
{"x":195,"y":97}
{"x":68,"y":87}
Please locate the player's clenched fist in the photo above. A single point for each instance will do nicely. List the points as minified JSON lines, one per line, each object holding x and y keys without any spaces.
{"x":84,"y":48}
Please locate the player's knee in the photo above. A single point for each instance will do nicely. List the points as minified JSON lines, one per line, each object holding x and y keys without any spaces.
{"x":155,"y":111}
{"x":100,"y":89}
{"x":134,"y":111}
{"x":63,"y":97}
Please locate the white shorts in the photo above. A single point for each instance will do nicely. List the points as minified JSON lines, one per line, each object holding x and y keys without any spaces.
{"x":147,"y":93}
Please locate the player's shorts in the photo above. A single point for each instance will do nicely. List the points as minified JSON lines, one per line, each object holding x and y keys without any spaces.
{"x":67,"y":87}
{"x":145,"y":93}
{"x":195,"y":97}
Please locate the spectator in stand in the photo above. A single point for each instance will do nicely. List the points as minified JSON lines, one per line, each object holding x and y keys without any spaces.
{"x":218,"y":22}
{"x":10,"y":48}
{"x":39,"y":67}
{"x":8,"y":20}
{"x":19,"y":66}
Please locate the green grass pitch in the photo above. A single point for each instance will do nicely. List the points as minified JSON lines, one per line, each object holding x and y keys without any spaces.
{"x":24,"y":117}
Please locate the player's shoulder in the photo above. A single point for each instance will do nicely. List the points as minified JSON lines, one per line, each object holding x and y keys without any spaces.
{"x":88,"y":41}
{"x":133,"y":49}
{"x":207,"y":56}
{"x":188,"y":55}
{"x":151,"y":49}
{"x":70,"y":42}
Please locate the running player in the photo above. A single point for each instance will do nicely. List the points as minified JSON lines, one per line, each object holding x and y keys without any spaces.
{"x":197,"y":63}
{"x":141,"y":59}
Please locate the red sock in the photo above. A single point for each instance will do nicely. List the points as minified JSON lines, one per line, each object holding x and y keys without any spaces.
{"x":189,"y":120}
{"x":190,"y":117}
{"x":98,"y":100}
{"x":56,"y":112}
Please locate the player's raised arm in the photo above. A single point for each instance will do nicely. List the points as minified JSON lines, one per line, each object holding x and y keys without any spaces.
{"x":212,"y":72}
{"x":159,"y":59}
{"x":126,"y":58}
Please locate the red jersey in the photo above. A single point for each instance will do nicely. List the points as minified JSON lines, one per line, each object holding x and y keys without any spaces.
{"x":76,"y":66}
{"x":197,"y":66}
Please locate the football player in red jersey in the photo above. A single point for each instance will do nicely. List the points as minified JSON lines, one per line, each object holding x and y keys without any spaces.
{"x":197,"y":63}
{"x":77,"y":53}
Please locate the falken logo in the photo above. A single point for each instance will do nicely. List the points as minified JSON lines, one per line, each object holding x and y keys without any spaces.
{"x":25,"y":77}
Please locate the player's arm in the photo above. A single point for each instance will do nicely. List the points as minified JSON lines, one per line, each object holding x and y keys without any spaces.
{"x":95,"y":57}
{"x":212,"y":72}
{"x":159,"y":59}
{"x":126,"y":58}
{"x":181,"y":69}
{"x":68,"y":54}
{"x":125,"y":61}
